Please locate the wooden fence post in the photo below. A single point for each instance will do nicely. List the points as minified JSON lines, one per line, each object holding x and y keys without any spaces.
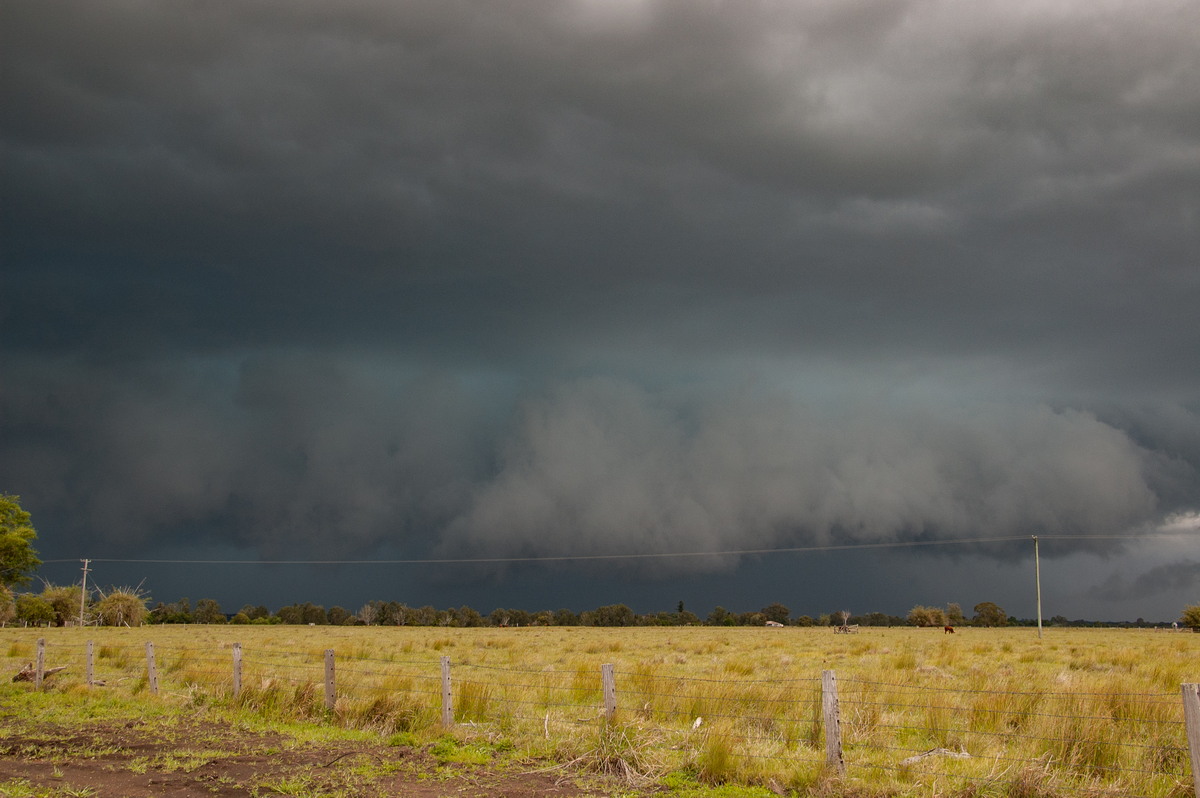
{"x":91,"y":663}
{"x":237,"y":669}
{"x":330,"y":692}
{"x":1191,"y":718}
{"x":151,"y":670}
{"x":447,"y":696}
{"x":833,"y":724}
{"x":40,"y":673}
{"x":609,"y":683}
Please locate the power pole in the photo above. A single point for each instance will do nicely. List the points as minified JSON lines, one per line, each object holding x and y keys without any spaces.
{"x":1037,"y":575}
{"x":83,"y":592}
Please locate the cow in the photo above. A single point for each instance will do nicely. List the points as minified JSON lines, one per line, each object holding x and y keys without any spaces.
{"x":948,"y":629}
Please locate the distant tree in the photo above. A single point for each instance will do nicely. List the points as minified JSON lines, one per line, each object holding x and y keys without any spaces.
{"x":1191,"y":617}
{"x":313,"y":614}
{"x":396,"y":613}
{"x":988,"y":613}
{"x":291,"y":614}
{"x":240,"y":618}
{"x":613,"y":615}
{"x":34,"y":610}
{"x":123,"y":606}
{"x":18,"y":558}
{"x":368,"y":613}
{"x":720,"y":617}
{"x":804,"y":620}
{"x":175,"y":612}
{"x":565,"y":617}
{"x":208,"y":611}
{"x":255,"y":612}
{"x":338,"y":616}
{"x":954,"y":614}
{"x":776,"y":612}
{"x":926,"y":616}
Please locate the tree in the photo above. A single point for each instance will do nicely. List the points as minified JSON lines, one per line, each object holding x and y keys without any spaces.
{"x":208,"y":611}
{"x":34,"y":610}
{"x":1191,"y":617}
{"x":612,"y":615}
{"x":565,"y":617}
{"x":926,"y":616}
{"x":954,"y":614}
{"x":253,"y":613}
{"x":66,"y":600}
{"x":988,"y":613}
{"x":8,"y":606}
{"x":776,"y":612}
{"x":18,"y":559}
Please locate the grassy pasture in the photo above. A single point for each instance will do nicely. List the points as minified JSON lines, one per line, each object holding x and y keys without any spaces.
{"x":1080,"y":711}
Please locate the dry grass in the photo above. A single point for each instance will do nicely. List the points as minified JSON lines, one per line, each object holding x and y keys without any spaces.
{"x":1091,"y":711}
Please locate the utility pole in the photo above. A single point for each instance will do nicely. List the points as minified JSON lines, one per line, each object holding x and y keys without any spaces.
{"x":1037,"y":575}
{"x":83,"y":592}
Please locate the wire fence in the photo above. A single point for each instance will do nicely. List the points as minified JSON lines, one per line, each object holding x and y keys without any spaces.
{"x":787,"y":732}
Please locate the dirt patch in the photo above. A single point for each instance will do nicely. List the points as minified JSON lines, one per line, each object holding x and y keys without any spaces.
{"x":134,"y":760}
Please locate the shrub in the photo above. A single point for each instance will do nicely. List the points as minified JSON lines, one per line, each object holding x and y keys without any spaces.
{"x":123,"y":606}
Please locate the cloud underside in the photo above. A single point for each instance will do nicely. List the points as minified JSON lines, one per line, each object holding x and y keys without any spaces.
{"x":308,"y":458}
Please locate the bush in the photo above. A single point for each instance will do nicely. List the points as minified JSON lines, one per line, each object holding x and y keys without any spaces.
{"x":1191,"y":617}
{"x":121,"y":607}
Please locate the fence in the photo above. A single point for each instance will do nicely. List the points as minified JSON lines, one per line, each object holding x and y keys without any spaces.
{"x":795,"y":732}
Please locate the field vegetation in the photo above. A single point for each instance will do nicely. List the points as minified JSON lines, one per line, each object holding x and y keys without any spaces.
{"x":700,"y":709}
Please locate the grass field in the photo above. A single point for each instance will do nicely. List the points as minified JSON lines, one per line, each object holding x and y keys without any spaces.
{"x":980,"y":712}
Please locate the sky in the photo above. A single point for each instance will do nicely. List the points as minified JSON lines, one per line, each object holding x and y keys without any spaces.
{"x":816,"y":300}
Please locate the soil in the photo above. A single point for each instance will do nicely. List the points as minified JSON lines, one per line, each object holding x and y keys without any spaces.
{"x":132,"y":760}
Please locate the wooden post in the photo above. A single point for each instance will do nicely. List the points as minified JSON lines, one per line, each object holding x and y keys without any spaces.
{"x":237,"y":669}
{"x":1191,"y":718}
{"x":833,"y":724}
{"x":447,"y":696}
{"x":609,"y":682}
{"x":91,"y":663}
{"x":330,"y":692}
{"x":151,"y":671}
{"x":40,"y":673}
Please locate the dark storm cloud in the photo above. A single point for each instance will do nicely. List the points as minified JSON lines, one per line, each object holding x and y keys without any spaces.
{"x":596,"y":275}
{"x":1176,"y":576}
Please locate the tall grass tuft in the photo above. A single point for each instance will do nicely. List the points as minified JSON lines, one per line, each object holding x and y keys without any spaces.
{"x":717,"y":764}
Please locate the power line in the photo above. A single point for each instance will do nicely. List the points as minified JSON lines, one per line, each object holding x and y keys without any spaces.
{"x":633,"y":556}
